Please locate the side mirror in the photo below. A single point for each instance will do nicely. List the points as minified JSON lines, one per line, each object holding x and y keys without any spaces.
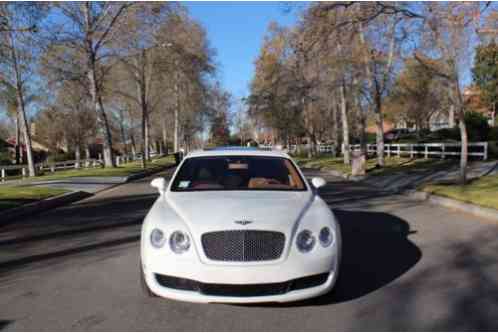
{"x":159,"y":183}
{"x":318,"y":182}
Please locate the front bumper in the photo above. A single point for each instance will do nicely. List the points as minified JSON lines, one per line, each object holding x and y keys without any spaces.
{"x":238,"y":281}
{"x":243,"y":292}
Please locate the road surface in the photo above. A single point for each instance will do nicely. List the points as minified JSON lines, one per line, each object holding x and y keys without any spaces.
{"x":407,"y":266}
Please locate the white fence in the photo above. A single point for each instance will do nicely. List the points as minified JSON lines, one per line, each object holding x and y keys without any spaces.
{"x":321,"y":148}
{"x":478,"y":149}
{"x":426,"y":150}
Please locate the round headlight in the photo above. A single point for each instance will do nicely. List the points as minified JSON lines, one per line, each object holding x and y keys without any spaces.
{"x":179,"y":242}
{"x":305,"y":241}
{"x":326,"y":237}
{"x":157,"y":238}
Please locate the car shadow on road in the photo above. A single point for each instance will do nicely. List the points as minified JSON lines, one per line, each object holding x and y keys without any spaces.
{"x":4,"y":324}
{"x":376,"y":251}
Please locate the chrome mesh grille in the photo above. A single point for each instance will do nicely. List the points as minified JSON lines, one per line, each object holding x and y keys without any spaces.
{"x":243,"y":245}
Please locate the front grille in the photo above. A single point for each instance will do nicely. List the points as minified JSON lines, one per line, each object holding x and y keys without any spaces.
{"x":241,"y":290}
{"x":243,"y":245}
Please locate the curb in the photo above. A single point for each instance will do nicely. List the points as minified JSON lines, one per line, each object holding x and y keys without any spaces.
{"x":346,"y":176}
{"x":147,"y":173}
{"x":487,"y":213}
{"x":67,"y":198}
{"x":42,"y":205}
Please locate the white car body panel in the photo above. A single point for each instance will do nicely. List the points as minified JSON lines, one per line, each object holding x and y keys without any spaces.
{"x":199,"y":212}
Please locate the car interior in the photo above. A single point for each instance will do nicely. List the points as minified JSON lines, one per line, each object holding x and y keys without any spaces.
{"x":231,"y":173}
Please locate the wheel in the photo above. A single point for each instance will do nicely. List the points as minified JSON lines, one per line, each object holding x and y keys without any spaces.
{"x":145,"y":288}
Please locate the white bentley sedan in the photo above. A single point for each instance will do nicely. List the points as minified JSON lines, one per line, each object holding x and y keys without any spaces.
{"x":239,"y":226}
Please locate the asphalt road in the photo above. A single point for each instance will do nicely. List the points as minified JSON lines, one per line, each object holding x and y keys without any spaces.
{"x":407,"y":266}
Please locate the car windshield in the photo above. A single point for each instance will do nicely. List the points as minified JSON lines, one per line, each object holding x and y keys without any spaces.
{"x":238,"y":173}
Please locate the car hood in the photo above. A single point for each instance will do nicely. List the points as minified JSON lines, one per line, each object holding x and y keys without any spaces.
{"x":265,"y":210}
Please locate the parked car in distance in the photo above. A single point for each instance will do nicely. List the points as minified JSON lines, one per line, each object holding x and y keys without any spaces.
{"x":396,"y":134}
{"x":239,"y":226}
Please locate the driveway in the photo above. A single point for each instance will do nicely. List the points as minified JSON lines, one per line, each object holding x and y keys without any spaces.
{"x":407,"y":266}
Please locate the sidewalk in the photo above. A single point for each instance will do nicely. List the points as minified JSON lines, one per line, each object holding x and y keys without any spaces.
{"x":438,"y":184}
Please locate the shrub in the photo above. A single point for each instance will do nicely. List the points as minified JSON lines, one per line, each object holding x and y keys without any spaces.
{"x":444,"y":134}
{"x":5,"y":158}
{"x":493,"y":149}
{"x":477,"y":126}
{"x":493,"y":134}
{"x":60,"y":157}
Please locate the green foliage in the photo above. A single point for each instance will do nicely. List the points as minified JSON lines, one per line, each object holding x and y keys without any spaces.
{"x":477,"y":126}
{"x":442,"y":135}
{"x":417,"y":93}
{"x":220,"y":133}
{"x":485,"y":72}
{"x":234,"y":140}
{"x":493,"y":134}
{"x":477,"y":130}
{"x":493,"y":149}
{"x":4,"y":153}
{"x":5,"y":158}
{"x":60,"y":157}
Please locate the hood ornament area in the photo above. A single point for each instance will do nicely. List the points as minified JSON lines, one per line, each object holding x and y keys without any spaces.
{"x":243,"y":222}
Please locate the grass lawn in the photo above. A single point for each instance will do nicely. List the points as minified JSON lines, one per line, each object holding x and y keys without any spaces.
{"x":14,"y":196}
{"x":392,"y":164}
{"x":482,"y":192}
{"x":122,"y":170}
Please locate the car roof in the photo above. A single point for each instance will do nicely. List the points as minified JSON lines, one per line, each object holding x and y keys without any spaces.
{"x":237,"y":151}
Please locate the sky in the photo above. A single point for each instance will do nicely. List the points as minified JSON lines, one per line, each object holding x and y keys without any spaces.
{"x":236,"y":30}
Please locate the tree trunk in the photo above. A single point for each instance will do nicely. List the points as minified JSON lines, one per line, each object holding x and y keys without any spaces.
{"x":451,"y":117}
{"x":345,"y":125}
{"x":133,"y":146}
{"x":87,"y":152}
{"x":165,"y":136}
{"x":95,"y":91}
{"x":160,"y":147}
{"x":379,"y":122}
{"x":176,"y":112}
{"x":26,"y":132}
{"x":335,"y":128}
{"x":363,"y":128}
{"x":77,"y":155}
{"x":107,"y":143}
{"x":145,"y":141}
{"x":123,"y":133}
{"x":21,"y":110}
{"x":464,"y":149}
{"x":18,"y":140}
{"x":147,"y":137}
{"x":101,"y":116}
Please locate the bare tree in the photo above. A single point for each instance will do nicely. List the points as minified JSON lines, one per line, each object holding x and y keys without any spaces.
{"x":89,"y":30}
{"x":17,"y":60}
{"x":447,"y":34}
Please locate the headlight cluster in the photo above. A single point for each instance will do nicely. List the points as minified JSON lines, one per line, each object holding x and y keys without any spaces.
{"x":305,"y":240}
{"x":179,"y":241}
{"x":157,"y":238}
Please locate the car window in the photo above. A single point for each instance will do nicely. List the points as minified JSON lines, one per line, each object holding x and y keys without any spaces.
{"x":242,"y":173}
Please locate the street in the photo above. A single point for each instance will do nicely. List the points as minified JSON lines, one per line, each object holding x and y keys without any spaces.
{"x":407,"y":265}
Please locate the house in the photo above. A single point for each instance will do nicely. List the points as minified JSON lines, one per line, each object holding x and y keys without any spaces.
{"x":472,"y":98}
{"x":446,"y":118}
